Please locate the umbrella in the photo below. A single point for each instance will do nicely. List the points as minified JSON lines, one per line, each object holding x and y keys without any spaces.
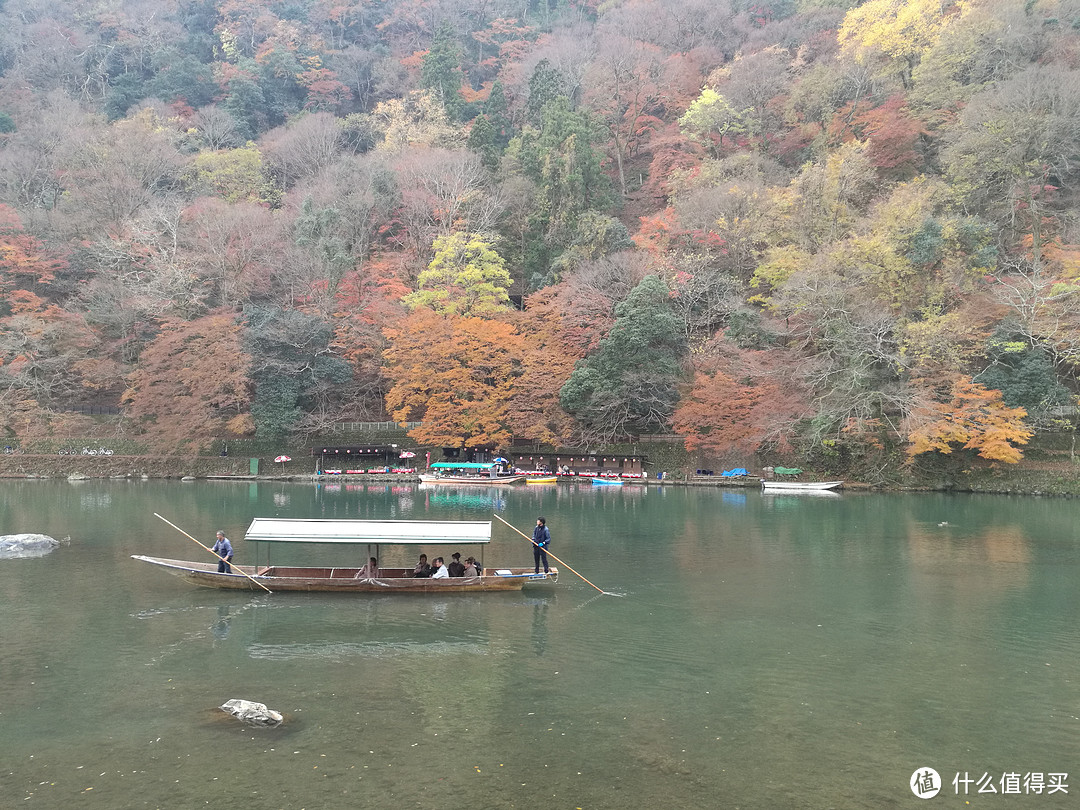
{"x":501,"y":460}
{"x":407,"y":454}
{"x":282,"y":459}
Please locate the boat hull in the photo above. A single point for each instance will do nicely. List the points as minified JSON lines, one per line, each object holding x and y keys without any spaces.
{"x":608,"y":482}
{"x":343,"y":580}
{"x":471,"y":479}
{"x":801,"y":486}
{"x":550,"y":480}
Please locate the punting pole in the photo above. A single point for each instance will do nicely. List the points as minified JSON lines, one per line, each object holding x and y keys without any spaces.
{"x":516,"y":529}
{"x":189,"y":537}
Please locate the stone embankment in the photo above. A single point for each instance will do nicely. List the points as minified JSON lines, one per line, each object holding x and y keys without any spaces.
{"x":25,"y":465}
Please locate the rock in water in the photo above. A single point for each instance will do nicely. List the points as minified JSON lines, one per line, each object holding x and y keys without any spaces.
{"x":19,"y":546}
{"x":251,"y":712}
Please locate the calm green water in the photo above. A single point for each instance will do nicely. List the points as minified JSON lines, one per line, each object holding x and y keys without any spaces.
{"x":770,"y":652}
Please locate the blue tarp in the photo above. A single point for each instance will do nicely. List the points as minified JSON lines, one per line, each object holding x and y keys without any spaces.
{"x":735,"y":473}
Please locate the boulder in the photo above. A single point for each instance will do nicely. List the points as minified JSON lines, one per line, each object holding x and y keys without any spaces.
{"x":19,"y":546}
{"x":248,"y":711}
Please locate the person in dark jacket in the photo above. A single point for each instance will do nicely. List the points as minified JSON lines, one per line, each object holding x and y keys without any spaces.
{"x":422,"y":568}
{"x":541,"y":538}
{"x":455,"y":567}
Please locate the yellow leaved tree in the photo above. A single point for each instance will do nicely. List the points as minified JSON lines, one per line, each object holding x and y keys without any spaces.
{"x":894,"y":34}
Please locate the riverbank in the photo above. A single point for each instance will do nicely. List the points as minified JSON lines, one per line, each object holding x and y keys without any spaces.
{"x":1059,"y":477}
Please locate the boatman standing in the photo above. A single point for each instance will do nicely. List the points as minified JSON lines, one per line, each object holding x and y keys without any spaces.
{"x":223,"y":548}
{"x":541,"y":537}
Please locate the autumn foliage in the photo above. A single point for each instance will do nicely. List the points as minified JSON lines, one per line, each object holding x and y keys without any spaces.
{"x":975,"y":419}
{"x":456,"y":375}
{"x":192,"y":383}
{"x":740,"y":401}
{"x":842,"y":207}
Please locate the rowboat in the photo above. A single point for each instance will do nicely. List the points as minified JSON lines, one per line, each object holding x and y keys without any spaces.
{"x":551,"y":479}
{"x":800,"y":486}
{"x":615,"y":482}
{"x":473,"y":473}
{"x":373,"y":534}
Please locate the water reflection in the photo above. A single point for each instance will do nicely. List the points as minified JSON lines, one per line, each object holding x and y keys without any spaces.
{"x":220,"y":628}
{"x":539,"y":626}
{"x":799,"y":642}
{"x":479,"y":498}
{"x":734,"y":498}
{"x":341,"y":651}
{"x":95,"y":500}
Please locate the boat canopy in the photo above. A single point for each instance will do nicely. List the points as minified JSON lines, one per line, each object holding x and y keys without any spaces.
{"x":462,"y":465}
{"x":397,"y":532}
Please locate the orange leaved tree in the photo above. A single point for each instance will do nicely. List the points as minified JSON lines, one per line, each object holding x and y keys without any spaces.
{"x":740,"y":400}
{"x":192,"y":380}
{"x":455,"y":374}
{"x":975,"y":418}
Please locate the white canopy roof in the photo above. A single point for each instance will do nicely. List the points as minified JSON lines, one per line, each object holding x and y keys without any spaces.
{"x":398,"y":532}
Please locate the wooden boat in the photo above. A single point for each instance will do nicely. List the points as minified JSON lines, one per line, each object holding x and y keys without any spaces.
{"x":800,"y":486}
{"x":468,"y":473}
{"x":373,"y":533}
{"x":618,"y":482}
{"x":547,"y":479}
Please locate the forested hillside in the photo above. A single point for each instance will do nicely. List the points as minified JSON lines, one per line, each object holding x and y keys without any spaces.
{"x":804,"y":225}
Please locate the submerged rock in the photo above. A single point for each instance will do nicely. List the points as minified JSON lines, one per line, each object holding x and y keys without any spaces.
{"x":248,"y":711}
{"x":19,"y":546}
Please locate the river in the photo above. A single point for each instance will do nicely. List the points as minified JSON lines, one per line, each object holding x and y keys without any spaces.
{"x":765,"y":651}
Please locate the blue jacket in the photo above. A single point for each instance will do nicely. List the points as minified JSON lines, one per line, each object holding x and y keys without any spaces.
{"x":541,"y":536}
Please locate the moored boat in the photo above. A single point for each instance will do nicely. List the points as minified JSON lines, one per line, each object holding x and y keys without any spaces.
{"x":373,"y":534}
{"x":468,"y":473}
{"x":547,"y":479}
{"x":801,"y":486}
{"x":609,"y":481}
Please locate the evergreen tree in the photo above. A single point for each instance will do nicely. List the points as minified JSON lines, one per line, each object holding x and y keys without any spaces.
{"x":440,"y":70}
{"x":497,"y":111}
{"x":628,"y":385}
{"x":290,"y":363}
{"x":246,"y":104}
{"x":545,"y":86}
{"x":482,"y":141}
{"x":561,"y":160}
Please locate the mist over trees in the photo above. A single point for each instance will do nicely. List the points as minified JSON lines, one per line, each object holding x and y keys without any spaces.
{"x":798,"y":225}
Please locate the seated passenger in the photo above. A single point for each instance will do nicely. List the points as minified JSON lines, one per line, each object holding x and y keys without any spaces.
{"x":440,"y":570}
{"x":471,"y":569}
{"x":456,"y":568}
{"x":422,"y":568}
{"x":369,"y":571}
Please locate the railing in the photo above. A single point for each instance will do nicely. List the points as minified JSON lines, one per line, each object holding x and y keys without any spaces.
{"x":660,"y":438}
{"x":355,"y":427}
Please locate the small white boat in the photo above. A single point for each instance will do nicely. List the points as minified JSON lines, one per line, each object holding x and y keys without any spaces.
{"x":800,"y":486}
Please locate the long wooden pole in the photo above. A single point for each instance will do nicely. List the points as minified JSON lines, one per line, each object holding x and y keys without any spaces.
{"x":189,"y":537}
{"x":516,"y":529}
